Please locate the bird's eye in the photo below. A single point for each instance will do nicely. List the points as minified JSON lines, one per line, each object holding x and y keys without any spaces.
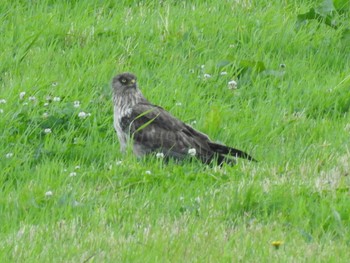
{"x":123,"y":81}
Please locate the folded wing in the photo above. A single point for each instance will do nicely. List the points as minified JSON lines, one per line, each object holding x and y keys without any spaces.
{"x":155,"y":130}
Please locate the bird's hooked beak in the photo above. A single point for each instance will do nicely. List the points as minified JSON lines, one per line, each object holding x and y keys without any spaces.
{"x":132,"y":83}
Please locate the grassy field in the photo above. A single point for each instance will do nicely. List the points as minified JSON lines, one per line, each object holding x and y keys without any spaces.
{"x":68,"y":194}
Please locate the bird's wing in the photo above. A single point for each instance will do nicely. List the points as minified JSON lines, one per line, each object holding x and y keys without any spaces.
{"x":157,"y":130}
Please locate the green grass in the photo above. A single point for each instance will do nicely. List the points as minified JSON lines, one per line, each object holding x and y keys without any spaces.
{"x":71,"y":196}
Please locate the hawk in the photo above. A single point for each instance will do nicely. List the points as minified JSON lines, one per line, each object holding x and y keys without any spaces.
{"x":151,"y":129}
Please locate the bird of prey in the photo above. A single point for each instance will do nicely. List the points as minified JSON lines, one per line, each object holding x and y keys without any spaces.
{"x":151,"y":129}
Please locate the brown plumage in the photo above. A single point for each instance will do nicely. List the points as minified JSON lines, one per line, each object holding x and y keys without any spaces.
{"x":154,"y":130}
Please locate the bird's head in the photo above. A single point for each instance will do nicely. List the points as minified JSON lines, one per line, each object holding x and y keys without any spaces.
{"x":124,"y":81}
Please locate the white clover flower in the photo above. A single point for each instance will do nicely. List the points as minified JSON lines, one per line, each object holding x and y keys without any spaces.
{"x":21,"y":95}
{"x":178,"y":104}
{"x":1,"y":111}
{"x":47,"y":131}
{"x":192,"y":151}
{"x":49,"y":194}
{"x":46,"y":104}
{"x":45,"y":115}
{"x":207,"y":76}
{"x":232,"y":84}
{"x":2,"y":101}
{"x":224,"y":73}
{"x":148,"y":172}
{"x":160,"y":155}
{"x":76,"y":104}
{"x":32,"y":98}
{"x":77,"y":167}
{"x":56,"y":99}
{"x":72,"y":174}
{"x":8,"y":155}
{"x":82,"y":115}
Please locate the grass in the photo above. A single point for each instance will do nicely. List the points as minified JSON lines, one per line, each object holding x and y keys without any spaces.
{"x":69,"y":195}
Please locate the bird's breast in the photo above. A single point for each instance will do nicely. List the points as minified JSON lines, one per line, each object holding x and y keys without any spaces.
{"x":119,"y":114}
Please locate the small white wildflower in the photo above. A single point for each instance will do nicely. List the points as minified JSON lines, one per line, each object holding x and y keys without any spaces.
{"x":72,"y":174}
{"x":178,"y":104}
{"x":160,"y":155}
{"x":46,"y":104}
{"x":47,"y":131}
{"x":49,"y":194}
{"x":82,"y":115}
{"x":193,"y":122}
{"x":207,"y":76}
{"x":192,"y":151}
{"x":56,"y":99}
{"x":224,"y":73}
{"x":1,"y":111}
{"x":8,"y":155}
{"x":232,"y":84}
{"x":32,"y":98}
{"x":148,"y":172}
{"x":2,"y":101}
{"x":118,"y":163}
{"x":45,"y":115}
{"x":76,"y":104}
{"x":77,"y":167}
{"x":21,"y":95}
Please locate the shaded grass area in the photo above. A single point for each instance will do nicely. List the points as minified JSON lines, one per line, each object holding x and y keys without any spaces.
{"x":67,"y":193}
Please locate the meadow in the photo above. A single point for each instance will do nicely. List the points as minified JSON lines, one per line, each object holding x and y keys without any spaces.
{"x":69,"y":195}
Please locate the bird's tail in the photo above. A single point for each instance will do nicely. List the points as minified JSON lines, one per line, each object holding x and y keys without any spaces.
{"x":225,"y":150}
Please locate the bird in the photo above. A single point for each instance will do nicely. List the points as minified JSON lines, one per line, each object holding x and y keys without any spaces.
{"x":150,"y":129}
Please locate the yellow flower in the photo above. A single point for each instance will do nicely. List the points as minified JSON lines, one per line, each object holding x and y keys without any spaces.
{"x":277,"y":244}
